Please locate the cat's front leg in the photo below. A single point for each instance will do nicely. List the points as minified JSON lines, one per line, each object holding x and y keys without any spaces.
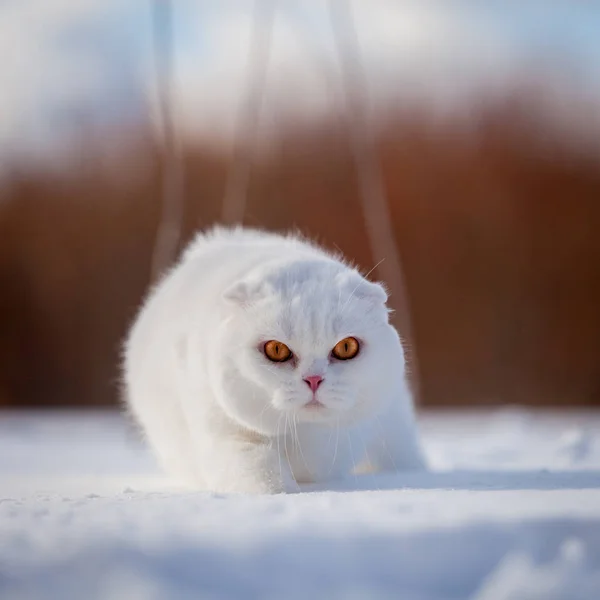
{"x":395,"y":442}
{"x":247,"y":467}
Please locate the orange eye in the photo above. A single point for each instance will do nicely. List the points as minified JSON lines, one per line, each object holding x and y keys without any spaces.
{"x":346,"y":349}
{"x":277,"y":351}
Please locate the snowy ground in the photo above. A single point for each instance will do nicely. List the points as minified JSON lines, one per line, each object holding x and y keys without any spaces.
{"x":512,"y":511}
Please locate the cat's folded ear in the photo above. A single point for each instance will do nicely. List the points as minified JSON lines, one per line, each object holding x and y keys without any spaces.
{"x":245,"y":292}
{"x":373,"y":291}
{"x":360,"y":287}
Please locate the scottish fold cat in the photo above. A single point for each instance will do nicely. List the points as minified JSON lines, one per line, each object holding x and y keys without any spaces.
{"x":261,"y":361}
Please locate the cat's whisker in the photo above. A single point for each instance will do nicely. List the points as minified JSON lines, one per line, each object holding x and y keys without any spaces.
{"x":298,"y":435}
{"x":295,"y":441}
{"x":337,"y":439}
{"x":335,"y":449}
{"x":278,"y":446}
{"x":269,"y":368}
{"x":367,"y":460}
{"x":285,"y":439}
{"x":352,"y":457}
{"x":294,"y":432}
{"x":262,"y":412}
{"x":330,"y":437}
{"x":285,"y":430}
{"x":308,"y":470}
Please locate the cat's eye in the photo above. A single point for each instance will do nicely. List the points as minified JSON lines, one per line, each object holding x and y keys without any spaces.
{"x":277,"y":351}
{"x":346,"y":349}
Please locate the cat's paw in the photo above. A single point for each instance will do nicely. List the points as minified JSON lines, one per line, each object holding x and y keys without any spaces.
{"x":285,"y":484}
{"x":264,"y":486}
{"x":249,"y":468}
{"x":255,"y":484}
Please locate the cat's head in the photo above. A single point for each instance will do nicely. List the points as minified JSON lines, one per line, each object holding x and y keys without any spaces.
{"x":309,"y":341}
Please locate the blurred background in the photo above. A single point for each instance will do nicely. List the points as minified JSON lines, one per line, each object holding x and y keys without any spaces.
{"x":485,"y":117}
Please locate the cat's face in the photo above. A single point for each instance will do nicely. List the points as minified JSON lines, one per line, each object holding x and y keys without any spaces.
{"x":312,"y":345}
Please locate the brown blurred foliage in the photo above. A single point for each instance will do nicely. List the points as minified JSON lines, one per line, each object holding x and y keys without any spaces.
{"x":498,"y":230}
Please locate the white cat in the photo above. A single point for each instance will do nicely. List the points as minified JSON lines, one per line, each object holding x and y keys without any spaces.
{"x":260,"y":362}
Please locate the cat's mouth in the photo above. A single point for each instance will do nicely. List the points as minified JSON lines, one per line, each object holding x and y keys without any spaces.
{"x":314,"y":404}
{"x":315,"y":410}
{"x":309,"y":408}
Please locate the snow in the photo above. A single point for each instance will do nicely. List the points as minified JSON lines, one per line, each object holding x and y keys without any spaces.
{"x":510,"y":511}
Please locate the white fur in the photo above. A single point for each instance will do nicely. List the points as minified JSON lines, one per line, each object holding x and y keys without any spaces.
{"x":219,"y":415}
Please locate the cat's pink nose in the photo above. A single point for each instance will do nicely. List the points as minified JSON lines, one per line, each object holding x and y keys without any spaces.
{"x":313,"y":381}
